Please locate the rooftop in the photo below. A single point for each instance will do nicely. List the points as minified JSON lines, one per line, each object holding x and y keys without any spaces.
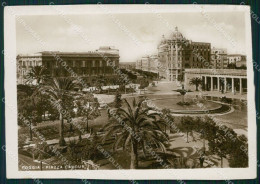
{"x":102,"y":51}
{"x":235,"y":55}
{"x":218,"y":71}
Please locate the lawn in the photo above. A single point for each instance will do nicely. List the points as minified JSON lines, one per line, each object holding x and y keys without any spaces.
{"x":50,"y":129}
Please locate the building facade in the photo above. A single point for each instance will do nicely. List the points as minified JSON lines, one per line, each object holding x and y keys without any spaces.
{"x":148,"y":63}
{"x":219,"y":58}
{"x":177,"y":53}
{"x":223,"y":80}
{"x":237,"y":59}
{"x":138,"y":64}
{"x":24,"y":65}
{"x":87,"y":65}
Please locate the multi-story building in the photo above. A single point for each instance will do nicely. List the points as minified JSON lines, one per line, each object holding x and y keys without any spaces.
{"x":138,"y":64}
{"x":145,"y":63}
{"x":237,"y":59}
{"x":24,"y":65}
{"x":86,"y":65}
{"x":219,"y":58}
{"x":177,"y":53}
{"x":148,"y":63}
{"x":153,"y":63}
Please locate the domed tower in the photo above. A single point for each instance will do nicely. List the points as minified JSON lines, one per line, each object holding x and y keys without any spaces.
{"x":176,"y":35}
{"x":163,"y":41}
{"x":176,"y":55}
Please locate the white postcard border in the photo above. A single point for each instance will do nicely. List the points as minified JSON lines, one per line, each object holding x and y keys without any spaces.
{"x":11,"y":102}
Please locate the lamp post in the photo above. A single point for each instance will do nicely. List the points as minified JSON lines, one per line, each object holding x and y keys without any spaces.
{"x":183,"y":92}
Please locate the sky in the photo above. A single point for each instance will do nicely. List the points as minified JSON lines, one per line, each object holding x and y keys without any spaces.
{"x":135,"y":35}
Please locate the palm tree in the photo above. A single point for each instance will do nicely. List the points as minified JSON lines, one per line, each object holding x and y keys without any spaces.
{"x":166,"y":115}
{"x":38,"y":74}
{"x":136,"y":128}
{"x":196,"y":81}
{"x":58,"y":89}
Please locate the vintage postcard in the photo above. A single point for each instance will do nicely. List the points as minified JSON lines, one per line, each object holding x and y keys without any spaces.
{"x":129,"y":92}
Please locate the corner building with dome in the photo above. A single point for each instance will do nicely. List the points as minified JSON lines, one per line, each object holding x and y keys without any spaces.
{"x":175,"y":54}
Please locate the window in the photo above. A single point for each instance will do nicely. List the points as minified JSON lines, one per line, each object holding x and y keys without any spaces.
{"x":83,"y":63}
{"x":100,"y":63}
{"x":93,"y":64}
{"x":73,"y":63}
{"x":108,"y":63}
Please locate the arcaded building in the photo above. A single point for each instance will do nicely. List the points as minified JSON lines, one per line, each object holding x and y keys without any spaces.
{"x":87,"y":65}
{"x":222,"y":80}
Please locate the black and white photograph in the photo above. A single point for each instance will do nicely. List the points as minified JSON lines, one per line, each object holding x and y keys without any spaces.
{"x":135,"y":88}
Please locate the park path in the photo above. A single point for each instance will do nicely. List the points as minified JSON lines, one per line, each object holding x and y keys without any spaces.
{"x":67,"y":139}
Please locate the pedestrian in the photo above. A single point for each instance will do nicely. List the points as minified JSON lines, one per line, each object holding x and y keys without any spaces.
{"x":202,"y":158}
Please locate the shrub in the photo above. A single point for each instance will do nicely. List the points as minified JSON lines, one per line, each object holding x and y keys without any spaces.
{"x":184,"y":103}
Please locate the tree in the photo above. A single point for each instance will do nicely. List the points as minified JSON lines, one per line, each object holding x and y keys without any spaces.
{"x":202,"y":126}
{"x":70,"y":114}
{"x":143,"y":84}
{"x":243,"y":67}
{"x":25,"y":89}
{"x":220,"y":142}
{"x":118,"y":100}
{"x":100,"y":82}
{"x":196,"y":81}
{"x":153,"y":84}
{"x":186,"y":125}
{"x":87,"y":107}
{"x":41,"y":150}
{"x":239,"y":154}
{"x":58,"y":89}
{"x":135,"y":127}
{"x":123,"y":81}
{"x":42,"y":105}
{"x":27,"y":113}
{"x":38,"y":74}
{"x":231,"y":66}
{"x":166,"y":115}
